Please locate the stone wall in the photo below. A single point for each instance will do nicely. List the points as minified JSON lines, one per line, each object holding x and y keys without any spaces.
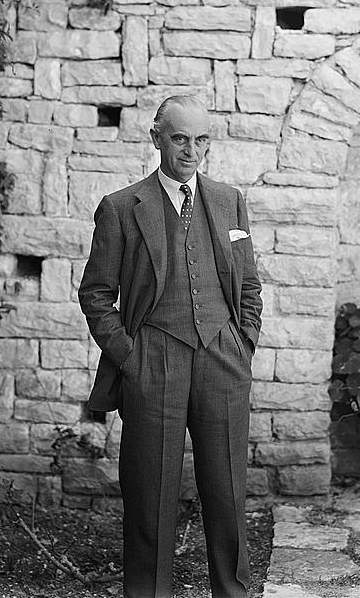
{"x":77,"y":105}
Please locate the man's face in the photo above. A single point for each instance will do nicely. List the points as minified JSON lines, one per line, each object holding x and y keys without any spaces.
{"x":183,"y":140}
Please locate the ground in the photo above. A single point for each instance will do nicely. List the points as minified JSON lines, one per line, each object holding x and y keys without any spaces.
{"x":93,"y":542}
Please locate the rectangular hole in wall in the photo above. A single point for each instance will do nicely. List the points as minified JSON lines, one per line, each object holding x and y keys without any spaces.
{"x":29,"y":266}
{"x":109,"y":116}
{"x":291,"y":17}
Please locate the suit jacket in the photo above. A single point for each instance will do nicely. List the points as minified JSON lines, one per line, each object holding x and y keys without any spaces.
{"x":129,"y":254}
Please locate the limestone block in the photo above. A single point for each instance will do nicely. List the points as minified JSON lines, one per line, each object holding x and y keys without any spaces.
{"x":94,"y":354}
{"x":43,"y":236}
{"x":255,"y":126}
{"x":14,"y":109}
{"x":75,"y":115}
{"x":51,"y":412}
{"x":303,"y":45}
{"x":8,"y":265}
{"x":42,"y":137}
{"x":260,"y":427}
{"x":77,"y":272}
{"x":130,"y":168}
{"x":15,"y":88}
{"x":99,"y":476}
{"x":348,"y":264}
{"x":19,"y":353}
{"x":4,"y":130}
{"x":353,"y":162}
{"x":232,"y":18}
{"x":263,"y":94}
{"x":173,"y":70}
{"x":99,"y":94}
{"x":64,"y":353}
{"x":315,"y":125}
{"x":55,"y":186}
{"x":301,"y":426}
{"x":94,"y":19}
{"x":87,"y":190}
{"x":297,"y":178}
{"x":27,"y":166}
{"x":224,"y":85}
{"x":91,"y":72}
{"x":24,"y":483}
{"x":296,"y":270}
{"x":135,"y":51}
{"x":293,"y":397}
{"x":239,"y":162}
{"x":264,"y":32}
{"x":268,"y":297}
{"x":55,"y":280}
{"x":21,"y":288}
{"x":275,"y":67}
{"x":308,"y":153}
{"x":25,"y":463}
{"x":256,"y":482}
{"x":44,"y":320}
{"x":135,"y":124}
{"x":301,"y":332}
{"x":348,"y":214}
{"x":334,"y":20}
{"x":222,"y":46}
{"x":333,"y":83}
{"x":14,"y":438}
{"x":306,"y":240}
{"x":42,"y":436}
{"x":349,"y":60}
{"x":79,"y":44}
{"x":300,"y":365}
{"x":49,"y":491}
{"x":155,"y":47}
{"x":305,"y":535}
{"x":40,"y":111}
{"x":38,"y":384}
{"x":292,"y":453}
{"x":218,"y":126}
{"x":6,"y":396}
{"x":19,"y":71}
{"x":263,"y":364}
{"x":23,"y":48}
{"x":97,"y":134}
{"x":44,"y":16}
{"x":263,"y":239}
{"x":75,"y":385}
{"x":314,"y":101}
{"x":305,"y":481}
{"x":292,"y":205}
{"x":47,"y":78}
{"x":150,"y":97}
{"x":310,"y":301}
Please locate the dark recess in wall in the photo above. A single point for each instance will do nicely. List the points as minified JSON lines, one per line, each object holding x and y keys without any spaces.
{"x":291,"y":17}
{"x":29,"y":265}
{"x":109,"y":116}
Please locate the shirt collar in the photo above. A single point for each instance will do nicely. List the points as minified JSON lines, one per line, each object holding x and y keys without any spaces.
{"x":172,"y":186}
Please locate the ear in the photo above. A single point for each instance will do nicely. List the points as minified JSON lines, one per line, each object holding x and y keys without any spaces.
{"x":155,"y":138}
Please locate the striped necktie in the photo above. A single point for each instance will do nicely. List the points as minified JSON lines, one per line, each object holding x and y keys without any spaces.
{"x":186,"y":208}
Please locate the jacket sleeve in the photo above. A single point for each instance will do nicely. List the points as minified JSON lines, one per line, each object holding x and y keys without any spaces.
{"x":99,"y":288}
{"x":251,"y":302}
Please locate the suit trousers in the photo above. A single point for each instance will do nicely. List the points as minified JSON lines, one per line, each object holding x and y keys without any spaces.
{"x":168,"y":386}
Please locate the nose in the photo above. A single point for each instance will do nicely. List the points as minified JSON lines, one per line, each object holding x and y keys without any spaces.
{"x":190,"y":147}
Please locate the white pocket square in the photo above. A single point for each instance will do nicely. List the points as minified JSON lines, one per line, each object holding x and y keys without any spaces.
{"x":237,"y":234}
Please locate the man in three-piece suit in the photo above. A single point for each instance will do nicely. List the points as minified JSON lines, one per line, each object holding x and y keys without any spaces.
{"x":178,"y":351}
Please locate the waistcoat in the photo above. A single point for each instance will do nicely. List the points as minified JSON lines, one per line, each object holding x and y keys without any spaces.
{"x":192,"y":305}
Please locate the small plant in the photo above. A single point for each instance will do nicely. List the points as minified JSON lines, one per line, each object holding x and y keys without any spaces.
{"x":345,"y":382}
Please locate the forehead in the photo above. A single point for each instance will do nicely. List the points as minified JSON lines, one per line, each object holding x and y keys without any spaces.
{"x":190,"y":119}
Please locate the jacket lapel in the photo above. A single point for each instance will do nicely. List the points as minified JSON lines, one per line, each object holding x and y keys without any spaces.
{"x":149,"y":215}
{"x":217,"y":211}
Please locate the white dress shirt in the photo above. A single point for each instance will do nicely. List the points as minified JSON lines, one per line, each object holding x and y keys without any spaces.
{"x":172,"y":188}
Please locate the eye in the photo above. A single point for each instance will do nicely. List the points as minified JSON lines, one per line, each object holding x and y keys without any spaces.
{"x":201,"y":141}
{"x":179,"y":139}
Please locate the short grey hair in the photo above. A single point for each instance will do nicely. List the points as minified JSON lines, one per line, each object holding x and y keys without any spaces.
{"x":180,"y":100}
